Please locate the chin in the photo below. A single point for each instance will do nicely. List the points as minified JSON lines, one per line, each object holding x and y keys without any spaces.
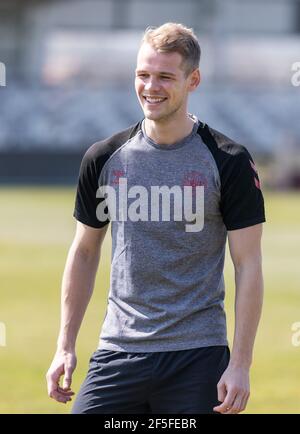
{"x":150,"y":115}
{"x":153,"y":116}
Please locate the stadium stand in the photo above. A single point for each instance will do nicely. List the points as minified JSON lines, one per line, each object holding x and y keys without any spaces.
{"x":70,"y":119}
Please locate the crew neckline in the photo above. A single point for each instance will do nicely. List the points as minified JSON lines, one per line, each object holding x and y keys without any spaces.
{"x":176,"y":145}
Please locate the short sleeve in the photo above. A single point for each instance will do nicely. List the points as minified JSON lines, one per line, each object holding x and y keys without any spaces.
{"x":242,"y":202}
{"x":86,"y":202}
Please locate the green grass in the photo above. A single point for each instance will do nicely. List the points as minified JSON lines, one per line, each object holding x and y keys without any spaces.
{"x":35,"y":233}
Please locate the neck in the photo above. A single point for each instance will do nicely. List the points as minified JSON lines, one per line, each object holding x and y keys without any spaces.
{"x":168,"y":132}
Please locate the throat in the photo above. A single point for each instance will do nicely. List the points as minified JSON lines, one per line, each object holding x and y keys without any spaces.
{"x":168,"y":133}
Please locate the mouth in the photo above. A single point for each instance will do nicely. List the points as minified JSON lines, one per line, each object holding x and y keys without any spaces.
{"x":154,"y":100}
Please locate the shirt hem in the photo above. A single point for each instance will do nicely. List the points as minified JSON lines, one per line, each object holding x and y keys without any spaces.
{"x":86,"y":222}
{"x":151,"y":348}
{"x":245,"y":224}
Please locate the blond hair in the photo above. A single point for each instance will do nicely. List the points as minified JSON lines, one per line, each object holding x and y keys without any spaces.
{"x":174,"y":37}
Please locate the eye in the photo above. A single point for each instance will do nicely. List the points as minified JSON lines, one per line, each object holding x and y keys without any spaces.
{"x":166,"y":77}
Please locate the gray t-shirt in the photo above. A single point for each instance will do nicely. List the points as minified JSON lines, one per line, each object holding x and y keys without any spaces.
{"x":170,"y":207}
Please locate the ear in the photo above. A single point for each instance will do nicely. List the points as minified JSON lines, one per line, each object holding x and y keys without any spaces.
{"x":194,"y":79}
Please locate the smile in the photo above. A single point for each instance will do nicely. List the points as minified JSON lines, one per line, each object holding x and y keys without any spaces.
{"x":154,"y":99}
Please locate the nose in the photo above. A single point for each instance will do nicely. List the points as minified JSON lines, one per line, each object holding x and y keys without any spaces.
{"x":152,"y":84}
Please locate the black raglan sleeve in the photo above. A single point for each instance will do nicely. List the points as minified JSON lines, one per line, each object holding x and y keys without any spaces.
{"x":86,"y":202}
{"x":97,"y":155}
{"x":242,"y":202}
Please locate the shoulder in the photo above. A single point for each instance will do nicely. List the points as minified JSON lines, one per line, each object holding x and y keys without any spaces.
{"x":234,"y":162}
{"x":223,"y":148}
{"x":241,"y":203}
{"x":100,"y":151}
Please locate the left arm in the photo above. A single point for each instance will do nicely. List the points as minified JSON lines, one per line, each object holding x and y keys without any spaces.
{"x":245,"y":250}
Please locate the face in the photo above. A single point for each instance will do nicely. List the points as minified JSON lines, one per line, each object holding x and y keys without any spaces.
{"x":161,"y":84}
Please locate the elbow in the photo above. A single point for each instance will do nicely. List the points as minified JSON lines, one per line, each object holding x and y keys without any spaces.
{"x":85,"y":254}
{"x":249,"y":277}
{"x":246,"y":263}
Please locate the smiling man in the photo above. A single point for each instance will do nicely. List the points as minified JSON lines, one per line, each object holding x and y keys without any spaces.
{"x":173,"y":190}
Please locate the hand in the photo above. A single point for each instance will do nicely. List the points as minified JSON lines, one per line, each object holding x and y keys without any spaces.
{"x":233,"y":390}
{"x":63,"y":363}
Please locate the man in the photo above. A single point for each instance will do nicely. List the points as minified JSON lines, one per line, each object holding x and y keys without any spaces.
{"x":172,"y":188}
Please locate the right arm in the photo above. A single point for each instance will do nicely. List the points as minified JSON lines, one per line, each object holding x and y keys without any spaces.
{"x":77,"y":288}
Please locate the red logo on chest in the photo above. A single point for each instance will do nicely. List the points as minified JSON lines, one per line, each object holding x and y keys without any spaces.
{"x":194,"y":179}
{"x":117,"y":174}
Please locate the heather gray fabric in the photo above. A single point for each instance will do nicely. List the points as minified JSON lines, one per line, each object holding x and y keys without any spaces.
{"x":167,"y":286}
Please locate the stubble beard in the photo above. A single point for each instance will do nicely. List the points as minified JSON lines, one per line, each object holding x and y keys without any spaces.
{"x":166,"y":117}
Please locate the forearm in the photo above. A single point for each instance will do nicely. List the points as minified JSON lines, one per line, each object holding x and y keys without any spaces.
{"x":248,"y":306}
{"x":77,"y":288}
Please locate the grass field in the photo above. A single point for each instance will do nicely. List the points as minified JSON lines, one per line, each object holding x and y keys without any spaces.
{"x":35,"y":233}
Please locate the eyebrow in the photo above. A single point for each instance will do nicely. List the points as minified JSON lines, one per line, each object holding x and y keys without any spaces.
{"x":160,"y":72}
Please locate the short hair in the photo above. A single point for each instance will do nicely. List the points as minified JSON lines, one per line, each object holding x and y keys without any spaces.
{"x":174,"y":37}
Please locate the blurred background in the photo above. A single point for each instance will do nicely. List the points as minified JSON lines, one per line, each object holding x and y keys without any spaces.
{"x":66,"y":81}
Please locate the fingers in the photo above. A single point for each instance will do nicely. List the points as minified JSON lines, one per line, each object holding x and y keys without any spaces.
{"x":55,"y":392}
{"x":61,"y":396}
{"x":233,"y":390}
{"x":227,"y":403}
{"x":222,"y":392}
{"x":234,"y":403}
{"x":236,"y":406}
{"x":65,"y":392}
{"x":52,"y":382}
{"x":245,"y":401}
{"x":240,"y":403}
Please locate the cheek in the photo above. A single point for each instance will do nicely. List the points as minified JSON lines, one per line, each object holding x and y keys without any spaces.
{"x":179,"y":93}
{"x":139,"y":86}
{"x":172,"y":90}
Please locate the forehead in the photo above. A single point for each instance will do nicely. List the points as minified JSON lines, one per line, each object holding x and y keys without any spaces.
{"x":149,"y":59}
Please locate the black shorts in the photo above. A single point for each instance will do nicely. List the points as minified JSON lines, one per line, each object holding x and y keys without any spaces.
{"x":177,"y":382}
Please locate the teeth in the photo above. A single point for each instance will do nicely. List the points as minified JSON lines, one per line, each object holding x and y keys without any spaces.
{"x":153,"y":99}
